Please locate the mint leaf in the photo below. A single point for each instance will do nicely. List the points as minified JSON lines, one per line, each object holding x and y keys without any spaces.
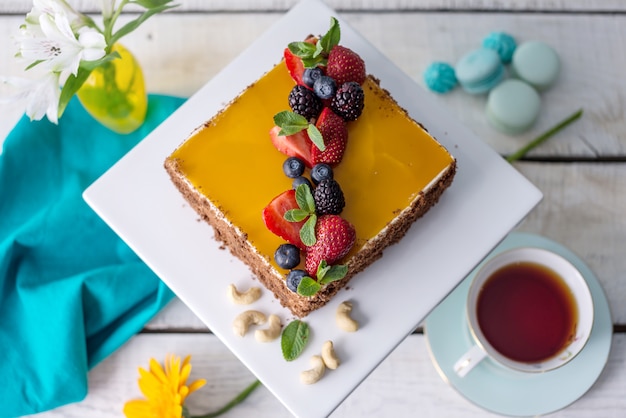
{"x":332,"y":273}
{"x":305,"y":199}
{"x":316,"y":137}
{"x":332,"y":37}
{"x":308,"y":287}
{"x":303,"y":50}
{"x":290,"y":122}
{"x":294,"y":339}
{"x":307,"y":232}
{"x":296,"y":215}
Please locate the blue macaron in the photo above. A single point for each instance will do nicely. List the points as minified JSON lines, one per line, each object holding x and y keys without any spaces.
{"x":513,"y":106}
{"x":479,"y":71}
{"x":536,"y":63}
{"x":440,"y":77}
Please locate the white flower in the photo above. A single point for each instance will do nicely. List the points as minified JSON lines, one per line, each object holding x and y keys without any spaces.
{"x":107,"y":8}
{"x":41,"y":96}
{"x":52,"y":8}
{"x":57,"y":48}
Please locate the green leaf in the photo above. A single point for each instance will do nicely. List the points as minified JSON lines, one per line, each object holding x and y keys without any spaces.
{"x":333,"y":273}
{"x":150,"y":4}
{"x":332,"y":37}
{"x":307,"y":232}
{"x":305,"y":199}
{"x":134,"y":24}
{"x":290,"y":122}
{"x":294,"y":339}
{"x":308,"y":287}
{"x":304,"y":50}
{"x":316,"y":137}
{"x":91,"y":65}
{"x":71,"y":86}
{"x":296,"y":215}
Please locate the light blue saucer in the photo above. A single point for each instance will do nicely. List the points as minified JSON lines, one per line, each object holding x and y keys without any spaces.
{"x":509,"y":392}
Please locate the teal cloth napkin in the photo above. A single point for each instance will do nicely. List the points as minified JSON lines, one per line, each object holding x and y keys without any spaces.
{"x":71,"y":292}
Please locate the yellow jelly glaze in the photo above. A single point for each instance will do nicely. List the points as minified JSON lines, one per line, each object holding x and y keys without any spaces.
{"x":388,"y":161}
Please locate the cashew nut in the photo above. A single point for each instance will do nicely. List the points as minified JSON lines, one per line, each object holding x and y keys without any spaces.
{"x":343,"y":319}
{"x":314,"y":374}
{"x":243,"y":298}
{"x":270,"y":333}
{"x":245,"y":319}
{"x":329,"y":356}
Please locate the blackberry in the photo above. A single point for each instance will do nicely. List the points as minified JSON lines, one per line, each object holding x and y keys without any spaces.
{"x":304,"y":102}
{"x":348,"y":101}
{"x":321,"y":171}
{"x":329,"y":198}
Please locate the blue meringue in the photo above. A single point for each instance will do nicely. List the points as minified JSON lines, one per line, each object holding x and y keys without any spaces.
{"x":503,"y":43}
{"x":440,"y":77}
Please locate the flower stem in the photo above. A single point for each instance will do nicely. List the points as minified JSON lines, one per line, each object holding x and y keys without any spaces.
{"x":543,"y":137}
{"x":236,"y":401}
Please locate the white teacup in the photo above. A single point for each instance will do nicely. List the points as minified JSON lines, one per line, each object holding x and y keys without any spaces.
{"x":528,"y":309}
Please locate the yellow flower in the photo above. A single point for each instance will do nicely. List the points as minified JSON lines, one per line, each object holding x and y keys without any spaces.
{"x":165,"y":389}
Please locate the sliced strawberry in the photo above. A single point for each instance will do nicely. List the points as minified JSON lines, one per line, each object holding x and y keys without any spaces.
{"x":345,"y":65}
{"x":296,"y":145}
{"x":274,"y":218}
{"x":335,"y":134}
{"x":294,"y":66}
{"x":335,"y":238}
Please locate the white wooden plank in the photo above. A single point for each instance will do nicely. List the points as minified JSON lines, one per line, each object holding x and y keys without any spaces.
{"x":591,"y":48}
{"x":22,"y":6}
{"x":404,"y":383}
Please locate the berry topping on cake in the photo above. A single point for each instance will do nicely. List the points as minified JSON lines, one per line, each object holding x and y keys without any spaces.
{"x":274,"y":218}
{"x":311,"y":74}
{"x":293,"y":167}
{"x":305,"y":102}
{"x":345,"y":65}
{"x":335,"y":237}
{"x":320,"y":172}
{"x":325,"y":87}
{"x":294,"y":66}
{"x":287,"y":256}
{"x":335,"y":134}
{"x":329,"y":198}
{"x":349,"y":101}
{"x":294,"y":277}
{"x":295,"y":145}
{"x":301,"y":180}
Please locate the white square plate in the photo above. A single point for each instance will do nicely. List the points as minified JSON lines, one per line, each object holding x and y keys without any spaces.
{"x":487,"y":199}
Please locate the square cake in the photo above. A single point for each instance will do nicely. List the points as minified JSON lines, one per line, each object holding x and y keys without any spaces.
{"x":391,"y":173}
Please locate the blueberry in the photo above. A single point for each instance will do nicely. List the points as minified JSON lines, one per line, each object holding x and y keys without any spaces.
{"x":320,"y":172}
{"x":310,"y":75}
{"x":294,"y":278}
{"x":293,"y":167}
{"x":287,"y":256}
{"x":301,"y":180}
{"x":325,"y":87}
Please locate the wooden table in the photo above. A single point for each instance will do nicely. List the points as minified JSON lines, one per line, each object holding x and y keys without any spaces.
{"x":582,"y":173}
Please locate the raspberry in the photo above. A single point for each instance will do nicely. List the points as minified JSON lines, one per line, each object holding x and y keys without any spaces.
{"x":349,"y":101}
{"x":304,"y":102}
{"x":329,"y":198}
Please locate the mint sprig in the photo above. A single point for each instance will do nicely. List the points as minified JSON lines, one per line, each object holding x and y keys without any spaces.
{"x":306,"y":209}
{"x":325,"y":274}
{"x":291,"y":123}
{"x":316,"y":54}
{"x":294,"y":339}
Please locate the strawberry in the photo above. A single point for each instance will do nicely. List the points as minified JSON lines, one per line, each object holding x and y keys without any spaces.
{"x":345,"y":65}
{"x":296,"y":145}
{"x":274,"y":218}
{"x":335,"y":238}
{"x":294,"y":63}
{"x":294,"y":66}
{"x":335,"y":134}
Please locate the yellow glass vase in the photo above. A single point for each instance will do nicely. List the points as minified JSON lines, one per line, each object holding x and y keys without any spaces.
{"x":115,"y":93}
